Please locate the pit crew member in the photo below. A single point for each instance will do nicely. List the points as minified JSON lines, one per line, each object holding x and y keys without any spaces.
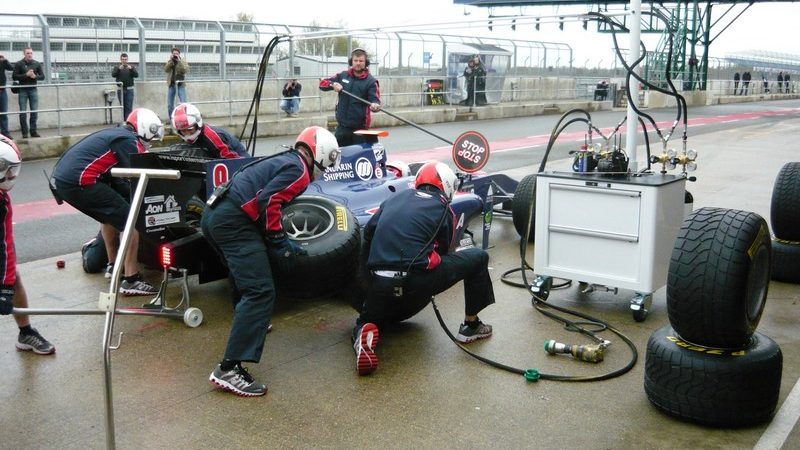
{"x":188,"y":123}
{"x":411,"y":257}
{"x":244,"y":225}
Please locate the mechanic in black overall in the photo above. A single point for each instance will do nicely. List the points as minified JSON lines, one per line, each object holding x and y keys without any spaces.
{"x":188,"y":123}
{"x":244,"y":226}
{"x":412,"y":257}
{"x":83,"y":179}
{"x":352,"y":114}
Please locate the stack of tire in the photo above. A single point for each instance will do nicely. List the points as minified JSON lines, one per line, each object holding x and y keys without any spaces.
{"x":710,"y":366}
{"x":785,"y":218}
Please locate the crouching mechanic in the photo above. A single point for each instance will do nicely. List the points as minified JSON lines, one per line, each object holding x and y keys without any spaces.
{"x":188,"y":123}
{"x":12,"y":292}
{"x":83,"y":179}
{"x":244,"y":226}
{"x":410,"y":243}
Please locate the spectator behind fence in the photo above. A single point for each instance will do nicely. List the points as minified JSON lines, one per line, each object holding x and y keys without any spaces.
{"x":290,"y":103}
{"x":780,"y":82}
{"x":27,"y":71}
{"x":175,"y":69}
{"x":736,"y":78}
{"x":745,"y":82}
{"x":786,"y":84}
{"x":766,"y":83}
{"x":125,"y":73}
{"x":5,"y":65}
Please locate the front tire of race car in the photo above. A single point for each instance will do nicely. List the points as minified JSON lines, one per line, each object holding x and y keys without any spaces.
{"x":330,"y":235}
{"x":715,"y":387}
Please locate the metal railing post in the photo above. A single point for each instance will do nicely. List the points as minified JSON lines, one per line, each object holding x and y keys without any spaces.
{"x":58,"y":106}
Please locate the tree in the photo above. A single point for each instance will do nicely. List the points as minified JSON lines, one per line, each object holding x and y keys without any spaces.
{"x":244,"y":17}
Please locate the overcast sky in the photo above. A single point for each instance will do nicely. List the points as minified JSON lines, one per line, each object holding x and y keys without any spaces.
{"x":764,"y":26}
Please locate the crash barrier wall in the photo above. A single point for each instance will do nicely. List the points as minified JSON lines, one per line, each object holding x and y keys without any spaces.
{"x":84,"y":104}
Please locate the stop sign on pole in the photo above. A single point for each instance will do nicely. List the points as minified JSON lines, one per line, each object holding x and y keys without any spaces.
{"x":471,"y":151}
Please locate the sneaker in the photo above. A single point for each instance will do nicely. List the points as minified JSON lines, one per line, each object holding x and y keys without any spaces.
{"x":36,"y":343}
{"x":137,"y":287}
{"x":364,"y":345}
{"x":238,"y":381}
{"x":294,"y":115}
{"x":34,"y":134}
{"x":109,"y":270}
{"x":467,"y":334}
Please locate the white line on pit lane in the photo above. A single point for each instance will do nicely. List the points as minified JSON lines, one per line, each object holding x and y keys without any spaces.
{"x":697,"y":124}
{"x":729,"y":121}
{"x":783,"y":422}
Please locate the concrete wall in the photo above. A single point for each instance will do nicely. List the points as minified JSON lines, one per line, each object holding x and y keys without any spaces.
{"x":83,"y":104}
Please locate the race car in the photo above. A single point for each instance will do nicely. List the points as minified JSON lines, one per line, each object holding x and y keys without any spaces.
{"x":325,"y":220}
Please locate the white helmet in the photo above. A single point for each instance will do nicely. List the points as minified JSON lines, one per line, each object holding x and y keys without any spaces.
{"x":10,"y":163}
{"x":323,"y":145}
{"x":438,"y":175}
{"x":146,"y":124}
{"x":398,"y":168}
{"x":187,"y":122}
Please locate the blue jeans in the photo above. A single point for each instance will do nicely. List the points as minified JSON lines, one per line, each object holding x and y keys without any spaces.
{"x":3,"y":109}
{"x":125,"y":98}
{"x":28,"y":96}
{"x":290,"y":105}
{"x":180,"y":89}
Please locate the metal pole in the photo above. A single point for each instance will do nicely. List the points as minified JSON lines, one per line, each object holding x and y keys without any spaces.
{"x":407,"y":122}
{"x":113,"y":293}
{"x":633,"y":55}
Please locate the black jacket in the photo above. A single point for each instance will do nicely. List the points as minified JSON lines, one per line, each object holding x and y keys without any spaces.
{"x":352,"y":113}
{"x":410,"y":231}
{"x":124,"y":76}
{"x":5,"y":65}
{"x":21,"y":69}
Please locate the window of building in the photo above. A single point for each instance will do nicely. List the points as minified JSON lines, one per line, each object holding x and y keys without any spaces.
{"x":73,"y":46}
{"x":84,"y":22}
{"x":105,"y":47}
{"x":70,"y":21}
{"x":133,"y":47}
{"x":36,"y":46}
{"x":296,"y":70}
{"x":18,"y":46}
{"x":151,"y":47}
{"x":89,"y":46}
{"x":56,"y":46}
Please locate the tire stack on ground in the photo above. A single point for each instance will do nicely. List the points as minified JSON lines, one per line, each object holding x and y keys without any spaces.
{"x":710,"y":366}
{"x":785,"y":218}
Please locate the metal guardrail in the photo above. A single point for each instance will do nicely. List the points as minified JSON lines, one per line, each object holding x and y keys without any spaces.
{"x":396,"y":92}
{"x":59,"y":110}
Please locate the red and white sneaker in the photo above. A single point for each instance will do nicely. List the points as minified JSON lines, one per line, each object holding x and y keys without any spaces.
{"x":364,"y":345}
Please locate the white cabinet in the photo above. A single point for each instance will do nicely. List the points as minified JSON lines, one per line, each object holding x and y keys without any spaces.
{"x":616,"y":232}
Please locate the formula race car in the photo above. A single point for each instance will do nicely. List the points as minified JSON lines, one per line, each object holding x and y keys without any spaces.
{"x":325,"y":220}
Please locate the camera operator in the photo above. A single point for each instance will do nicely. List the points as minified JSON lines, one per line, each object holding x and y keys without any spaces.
{"x":176,"y":69}
{"x":290,"y":104}
{"x":124,"y":73}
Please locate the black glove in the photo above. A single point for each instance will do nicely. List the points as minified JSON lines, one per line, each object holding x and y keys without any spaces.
{"x":6,"y":299}
{"x":283,"y":252}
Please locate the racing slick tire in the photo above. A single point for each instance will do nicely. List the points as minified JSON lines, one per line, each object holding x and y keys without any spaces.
{"x":785,"y":261}
{"x":523,"y":210}
{"x":93,"y":255}
{"x":329,"y":233}
{"x":718,"y":277}
{"x":715,"y":387}
{"x":785,"y":207}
